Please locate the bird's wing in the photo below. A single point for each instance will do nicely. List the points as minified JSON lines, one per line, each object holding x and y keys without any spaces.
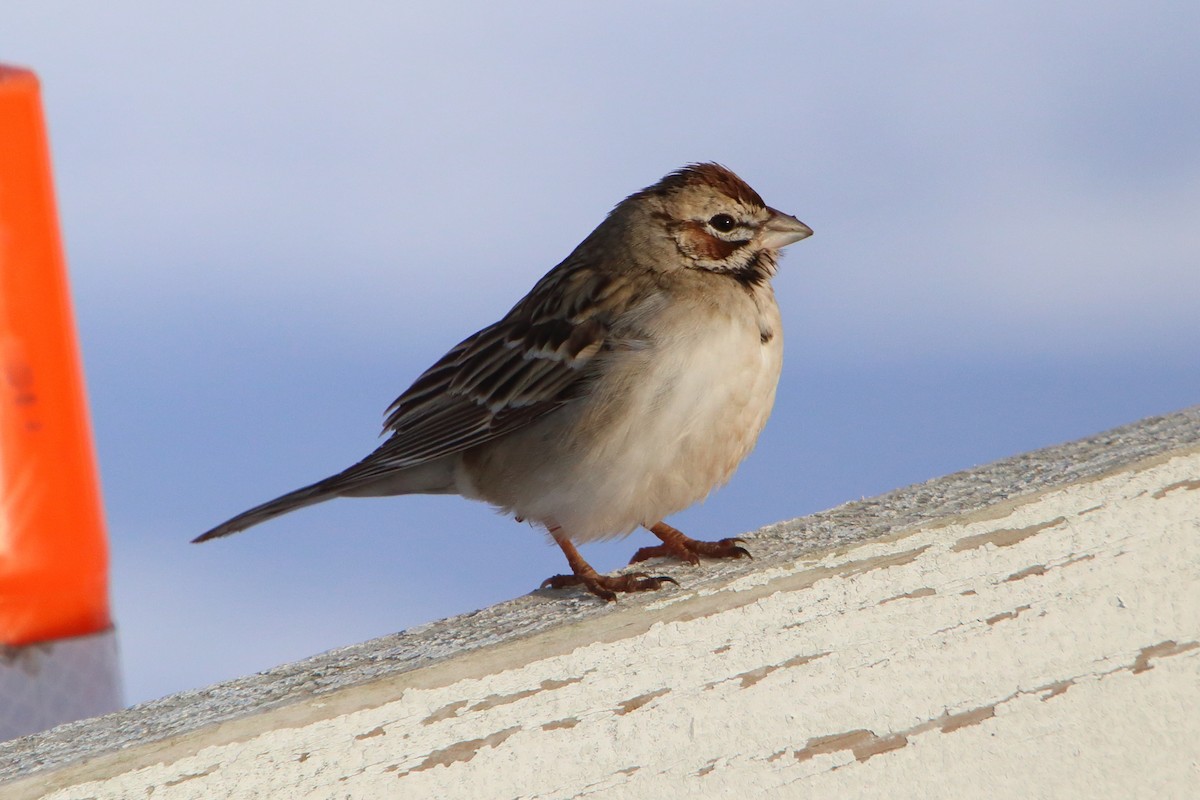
{"x":541,"y":355}
{"x":498,"y":380}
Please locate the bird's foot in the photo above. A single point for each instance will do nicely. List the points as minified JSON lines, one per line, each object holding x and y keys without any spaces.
{"x":676,"y":545}
{"x":606,"y":586}
{"x":603,"y":586}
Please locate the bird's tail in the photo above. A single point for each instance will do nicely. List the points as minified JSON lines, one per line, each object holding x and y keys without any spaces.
{"x":367,"y":478}
{"x":318,"y":492}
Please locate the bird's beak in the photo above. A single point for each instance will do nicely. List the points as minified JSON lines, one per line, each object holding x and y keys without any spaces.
{"x":783,"y":229}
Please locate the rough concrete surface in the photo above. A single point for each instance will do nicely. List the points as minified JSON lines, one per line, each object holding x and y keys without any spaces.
{"x":955,"y":611}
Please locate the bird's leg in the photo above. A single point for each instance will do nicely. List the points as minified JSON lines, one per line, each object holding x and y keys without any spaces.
{"x":603,"y":586}
{"x":676,"y":545}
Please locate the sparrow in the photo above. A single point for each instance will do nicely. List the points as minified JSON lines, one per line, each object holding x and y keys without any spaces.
{"x":628,"y":384}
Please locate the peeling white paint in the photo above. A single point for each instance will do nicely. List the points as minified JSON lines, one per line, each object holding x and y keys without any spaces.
{"x":1034,"y":652}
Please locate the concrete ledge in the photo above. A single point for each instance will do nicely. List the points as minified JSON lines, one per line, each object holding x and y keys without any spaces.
{"x":1033,"y":624}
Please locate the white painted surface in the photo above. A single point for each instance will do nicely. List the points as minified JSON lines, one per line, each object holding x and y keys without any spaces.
{"x":1046,"y":648}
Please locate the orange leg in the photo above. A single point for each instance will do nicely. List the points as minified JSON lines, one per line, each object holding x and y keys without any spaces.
{"x":676,"y":545}
{"x":603,"y":586}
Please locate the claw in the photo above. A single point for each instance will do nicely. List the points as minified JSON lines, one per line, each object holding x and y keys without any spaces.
{"x":606,"y":587}
{"x":561,"y":581}
{"x":604,"y":594}
{"x":739,"y":552}
{"x":641,"y":579}
{"x":676,"y":545}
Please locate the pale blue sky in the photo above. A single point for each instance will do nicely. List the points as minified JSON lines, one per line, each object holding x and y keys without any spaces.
{"x":278,"y":214}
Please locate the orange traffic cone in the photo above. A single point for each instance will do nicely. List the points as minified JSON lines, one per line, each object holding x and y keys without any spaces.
{"x":54,"y":615}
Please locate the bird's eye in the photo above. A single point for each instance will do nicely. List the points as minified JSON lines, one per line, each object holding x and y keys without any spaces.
{"x":723,"y":222}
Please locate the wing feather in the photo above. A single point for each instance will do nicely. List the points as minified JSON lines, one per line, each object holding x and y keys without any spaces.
{"x":541,"y":355}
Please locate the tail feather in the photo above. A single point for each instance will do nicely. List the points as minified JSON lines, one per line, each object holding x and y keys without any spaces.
{"x":364,"y":479}
{"x":318,"y":492}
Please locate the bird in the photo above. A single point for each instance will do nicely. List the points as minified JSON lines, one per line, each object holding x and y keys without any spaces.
{"x":631,"y":381}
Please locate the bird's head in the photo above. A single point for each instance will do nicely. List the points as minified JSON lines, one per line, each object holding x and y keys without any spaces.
{"x":710,"y":219}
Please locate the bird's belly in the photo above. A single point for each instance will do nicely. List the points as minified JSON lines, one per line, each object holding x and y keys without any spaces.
{"x":651,"y":439}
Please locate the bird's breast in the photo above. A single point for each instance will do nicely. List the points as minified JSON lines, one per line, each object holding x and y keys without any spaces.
{"x":663,"y":424}
{"x":700,"y":404}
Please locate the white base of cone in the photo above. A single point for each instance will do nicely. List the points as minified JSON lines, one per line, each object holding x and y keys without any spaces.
{"x":49,"y":683}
